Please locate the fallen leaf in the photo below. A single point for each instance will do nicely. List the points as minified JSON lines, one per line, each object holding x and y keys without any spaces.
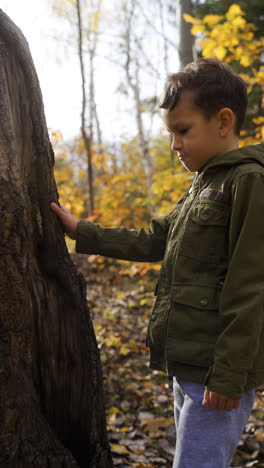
{"x":259,"y":436}
{"x":153,"y":426}
{"x":259,"y":401}
{"x":120,"y":449}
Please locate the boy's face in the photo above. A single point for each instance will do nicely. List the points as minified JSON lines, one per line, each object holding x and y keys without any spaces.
{"x":195,"y":138}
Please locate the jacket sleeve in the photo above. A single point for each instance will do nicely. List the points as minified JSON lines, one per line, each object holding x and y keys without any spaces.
{"x":144,"y":245}
{"x":241,"y":305}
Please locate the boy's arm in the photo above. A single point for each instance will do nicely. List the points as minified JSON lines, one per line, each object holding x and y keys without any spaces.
{"x":242,"y":297}
{"x":147,"y":244}
{"x":144,"y":245}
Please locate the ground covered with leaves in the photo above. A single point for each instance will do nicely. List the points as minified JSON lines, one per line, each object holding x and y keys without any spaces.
{"x":139,"y":401}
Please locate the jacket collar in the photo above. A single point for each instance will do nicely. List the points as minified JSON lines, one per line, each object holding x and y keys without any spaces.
{"x":244,"y":155}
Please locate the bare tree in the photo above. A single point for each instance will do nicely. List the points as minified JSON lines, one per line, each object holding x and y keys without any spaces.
{"x":134,"y":84}
{"x":86,"y":138}
{"x":51,"y":388}
{"x":165,"y":41}
{"x":92,"y":36}
{"x":186,"y":41}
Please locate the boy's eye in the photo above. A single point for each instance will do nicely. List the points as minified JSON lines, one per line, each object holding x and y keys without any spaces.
{"x":182,"y":131}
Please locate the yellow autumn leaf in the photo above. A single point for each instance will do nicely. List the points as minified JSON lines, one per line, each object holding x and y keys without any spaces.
{"x":124,"y":351}
{"x":113,"y":341}
{"x":220,"y":52}
{"x":121,"y":449}
{"x":133,"y":343}
{"x":113,"y":410}
{"x":191,"y":19}
{"x":212,"y":19}
{"x":234,"y":11}
{"x":258,"y":120}
{"x":260,"y":76}
{"x":239,"y":22}
{"x":259,"y":436}
{"x":209,"y":48}
{"x":239,"y":52}
{"x":245,"y":61}
{"x":197,"y":28}
{"x":125,"y":429}
{"x":234,"y":41}
{"x":111,"y":419}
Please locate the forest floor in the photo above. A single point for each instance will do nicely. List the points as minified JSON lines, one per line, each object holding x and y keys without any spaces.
{"x":138,"y":400}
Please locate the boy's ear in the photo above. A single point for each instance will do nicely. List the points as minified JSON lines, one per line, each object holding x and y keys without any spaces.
{"x":226,"y":119}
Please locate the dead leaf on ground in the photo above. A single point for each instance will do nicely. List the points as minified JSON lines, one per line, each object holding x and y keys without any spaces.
{"x":154,"y":426}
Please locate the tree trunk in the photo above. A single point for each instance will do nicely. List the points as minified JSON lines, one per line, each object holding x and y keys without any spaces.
{"x":165,"y":42}
{"x":186,"y":40}
{"x":142,"y":141}
{"x":135,"y":86}
{"x":92,"y":45}
{"x":51,"y":389}
{"x":87,"y":139}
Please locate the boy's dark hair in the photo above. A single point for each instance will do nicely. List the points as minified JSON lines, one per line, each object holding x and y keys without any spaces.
{"x":215,"y":86}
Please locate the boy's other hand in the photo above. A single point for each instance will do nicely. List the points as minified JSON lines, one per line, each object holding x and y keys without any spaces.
{"x":68,"y":221}
{"x":219,"y":401}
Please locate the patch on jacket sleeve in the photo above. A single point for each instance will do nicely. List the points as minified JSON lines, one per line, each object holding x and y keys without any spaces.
{"x":210,"y":194}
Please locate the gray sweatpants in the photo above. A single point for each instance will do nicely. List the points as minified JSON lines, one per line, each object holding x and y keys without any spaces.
{"x":206,"y":438}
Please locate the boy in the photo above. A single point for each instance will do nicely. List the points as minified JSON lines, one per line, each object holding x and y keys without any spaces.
{"x":207,"y":325}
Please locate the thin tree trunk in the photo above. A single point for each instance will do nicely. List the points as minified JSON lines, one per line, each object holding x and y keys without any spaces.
{"x":86,"y":138}
{"x":96,"y":118}
{"x":93,"y":40}
{"x":91,"y":96}
{"x":93,"y":107}
{"x":186,"y":40}
{"x":142,"y":142}
{"x":166,"y":68}
{"x":165,"y":42}
{"x":134,"y":85}
{"x":51,"y":388}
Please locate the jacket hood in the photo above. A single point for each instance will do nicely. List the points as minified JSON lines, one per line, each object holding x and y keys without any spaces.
{"x":245,"y":155}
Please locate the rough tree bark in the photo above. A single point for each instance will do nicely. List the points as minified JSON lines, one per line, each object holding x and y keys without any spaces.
{"x":51,"y":390}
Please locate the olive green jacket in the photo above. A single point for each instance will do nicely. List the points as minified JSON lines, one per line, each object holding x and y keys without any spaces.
{"x":207,"y":324}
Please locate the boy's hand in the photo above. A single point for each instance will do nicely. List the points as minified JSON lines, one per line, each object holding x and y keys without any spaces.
{"x":69,"y":222}
{"x":219,"y":401}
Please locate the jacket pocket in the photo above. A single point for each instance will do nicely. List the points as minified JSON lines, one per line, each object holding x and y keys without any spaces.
{"x":209,"y":215}
{"x":197,"y":296}
{"x":206,"y":232}
{"x":193,"y":324}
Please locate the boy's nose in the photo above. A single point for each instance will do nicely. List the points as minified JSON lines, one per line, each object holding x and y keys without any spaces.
{"x":176,"y":144}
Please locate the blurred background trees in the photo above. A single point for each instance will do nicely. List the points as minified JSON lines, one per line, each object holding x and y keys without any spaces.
{"x":138,"y":176}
